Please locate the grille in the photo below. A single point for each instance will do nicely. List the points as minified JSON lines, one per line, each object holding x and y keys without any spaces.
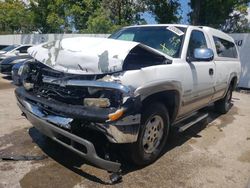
{"x":69,"y":94}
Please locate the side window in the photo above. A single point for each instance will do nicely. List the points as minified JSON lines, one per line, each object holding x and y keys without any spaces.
{"x":23,"y":49}
{"x":225,"y":48}
{"x":197,"y":40}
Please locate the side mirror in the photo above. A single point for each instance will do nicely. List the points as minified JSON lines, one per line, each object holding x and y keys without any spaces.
{"x":203,"y":54}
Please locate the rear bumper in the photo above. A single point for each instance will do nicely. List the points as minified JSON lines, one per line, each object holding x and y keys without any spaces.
{"x":55,"y":133}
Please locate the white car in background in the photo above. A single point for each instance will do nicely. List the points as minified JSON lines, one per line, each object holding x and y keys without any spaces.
{"x":14,"y":50}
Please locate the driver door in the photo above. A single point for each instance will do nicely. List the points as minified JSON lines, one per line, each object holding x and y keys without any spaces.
{"x":203,"y":74}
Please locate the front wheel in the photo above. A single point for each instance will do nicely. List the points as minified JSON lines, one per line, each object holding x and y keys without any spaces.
{"x":223,"y":105}
{"x":152,"y":136}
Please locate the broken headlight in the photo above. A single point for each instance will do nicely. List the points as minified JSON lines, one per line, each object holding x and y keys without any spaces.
{"x":25,"y":73}
{"x":97,"y":102}
{"x":28,"y":86}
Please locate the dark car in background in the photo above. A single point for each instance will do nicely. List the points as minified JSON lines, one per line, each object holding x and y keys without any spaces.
{"x":3,"y":46}
{"x":7,"y":64}
{"x":8,"y":48}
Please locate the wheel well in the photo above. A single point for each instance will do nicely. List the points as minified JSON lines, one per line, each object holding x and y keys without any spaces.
{"x":233,"y":82}
{"x":170,"y":99}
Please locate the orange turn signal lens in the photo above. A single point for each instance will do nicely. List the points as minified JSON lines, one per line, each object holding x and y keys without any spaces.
{"x":116,"y":115}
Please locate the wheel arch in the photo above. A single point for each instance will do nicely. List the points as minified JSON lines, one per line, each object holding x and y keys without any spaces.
{"x":167,"y":93}
{"x":232,"y":81}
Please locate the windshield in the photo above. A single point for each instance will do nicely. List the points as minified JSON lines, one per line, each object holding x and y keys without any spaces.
{"x":167,"y":39}
{"x":9,"y":48}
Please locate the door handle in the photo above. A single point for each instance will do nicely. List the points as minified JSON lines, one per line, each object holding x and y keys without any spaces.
{"x":211,"y":71}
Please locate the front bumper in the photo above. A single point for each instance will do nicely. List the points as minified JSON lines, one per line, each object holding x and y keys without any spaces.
{"x":6,"y":68}
{"x":57,"y":121}
{"x":55,"y":132}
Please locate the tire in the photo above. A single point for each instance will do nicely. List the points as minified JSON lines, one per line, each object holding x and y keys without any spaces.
{"x":223,"y":105}
{"x":152,"y":135}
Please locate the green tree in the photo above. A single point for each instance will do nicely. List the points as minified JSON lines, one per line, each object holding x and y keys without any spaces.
{"x":114,"y":14}
{"x":237,"y":21}
{"x":123,"y":12}
{"x":48,"y":15}
{"x":99,"y":22}
{"x":218,"y":13}
{"x":166,"y":11}
{"x":15,"y":17}
{"x":62,"y":15}
{"x":79,"y":12}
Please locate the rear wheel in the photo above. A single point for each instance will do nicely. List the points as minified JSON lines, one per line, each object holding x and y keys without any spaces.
{"x":223,"y":105}
{"x":152,"y":136}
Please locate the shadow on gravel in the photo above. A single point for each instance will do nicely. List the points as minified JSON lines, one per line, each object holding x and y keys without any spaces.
{"x":177,"y":139}
{"x":62,"y":155}
{"x":73,"y":162}
{"x":6,"y":82}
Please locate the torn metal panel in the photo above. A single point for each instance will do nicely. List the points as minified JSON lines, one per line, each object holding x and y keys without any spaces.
{"x":83,"y":55}
{"x":86,"y":55}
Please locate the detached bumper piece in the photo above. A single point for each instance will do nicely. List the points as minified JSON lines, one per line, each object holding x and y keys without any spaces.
{"x":49,"y":127}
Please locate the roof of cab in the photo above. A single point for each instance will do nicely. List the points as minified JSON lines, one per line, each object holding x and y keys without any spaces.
{"x":158,"y":25}
{"x":218,"y":33}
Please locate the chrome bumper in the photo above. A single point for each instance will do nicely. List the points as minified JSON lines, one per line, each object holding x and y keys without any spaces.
{"x":55,"y":133}
{"x":125,"y":130}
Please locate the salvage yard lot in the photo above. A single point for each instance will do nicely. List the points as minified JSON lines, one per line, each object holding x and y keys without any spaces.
{"x":210,"y":154}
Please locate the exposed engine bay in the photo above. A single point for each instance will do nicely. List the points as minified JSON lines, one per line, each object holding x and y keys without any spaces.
{"x":75,"y":95}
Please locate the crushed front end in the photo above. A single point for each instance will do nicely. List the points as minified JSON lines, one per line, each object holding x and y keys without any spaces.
{"x":63,"y":106}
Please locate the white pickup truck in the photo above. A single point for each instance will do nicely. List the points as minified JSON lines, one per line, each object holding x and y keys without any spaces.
{"x":130,"y":88}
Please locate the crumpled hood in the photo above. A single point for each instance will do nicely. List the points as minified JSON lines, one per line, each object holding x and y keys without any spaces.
{"x":84,"y":55}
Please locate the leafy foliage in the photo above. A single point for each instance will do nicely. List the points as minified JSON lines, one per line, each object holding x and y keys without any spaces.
{"x":14,"y":17}
{"x":113,"y":14}
{"x":105,"y":16}
{"x":237,"y":21}
{"x":166,"y":11}
{"x":99,"y":22}
{"x":224,"y":14}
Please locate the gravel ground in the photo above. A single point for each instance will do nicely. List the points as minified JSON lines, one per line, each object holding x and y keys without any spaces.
{"x":210,"y":154}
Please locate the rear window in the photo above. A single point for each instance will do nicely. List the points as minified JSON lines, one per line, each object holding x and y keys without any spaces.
{"x":225,"y":48}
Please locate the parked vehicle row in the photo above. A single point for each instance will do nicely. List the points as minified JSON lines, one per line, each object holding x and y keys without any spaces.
{"x":14,"y":50}
{"x":12,"y":57}
{"x":3,"y":46}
